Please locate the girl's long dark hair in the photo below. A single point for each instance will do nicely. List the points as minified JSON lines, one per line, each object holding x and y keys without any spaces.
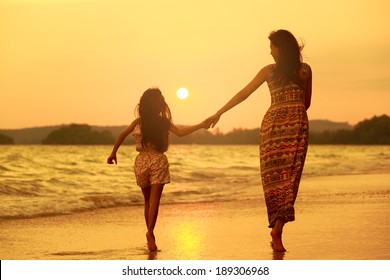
{"x":155,"y":119}
{"x":290,"y":58}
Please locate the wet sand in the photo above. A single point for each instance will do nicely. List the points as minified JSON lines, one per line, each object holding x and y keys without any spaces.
{"x":233,"y":230}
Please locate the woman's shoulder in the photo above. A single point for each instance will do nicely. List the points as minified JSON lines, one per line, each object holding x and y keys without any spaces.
{"x":305,"y":67}
{"x":305,"y":70}
{"x":268,"y":70}
{"x":270,"y":67}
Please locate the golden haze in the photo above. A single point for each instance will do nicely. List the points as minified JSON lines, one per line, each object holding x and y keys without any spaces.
{"x":89,"y":61}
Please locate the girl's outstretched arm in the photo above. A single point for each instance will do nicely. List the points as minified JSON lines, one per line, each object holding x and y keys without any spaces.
{"x":119,"y":140}
{"x":186,"y":130}
{"x":243,"y":94}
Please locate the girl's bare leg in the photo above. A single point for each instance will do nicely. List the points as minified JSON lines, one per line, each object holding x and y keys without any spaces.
{"x":154,"y":202}
{"x":146,"y":193}
{"x":151,"y":212}
{"x":276,"y":235}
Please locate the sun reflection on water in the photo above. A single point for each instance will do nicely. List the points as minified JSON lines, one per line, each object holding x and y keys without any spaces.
{"x":189,"y":239}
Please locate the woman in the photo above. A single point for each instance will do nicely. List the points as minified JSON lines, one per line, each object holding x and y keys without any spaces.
{"x":284,"y":131}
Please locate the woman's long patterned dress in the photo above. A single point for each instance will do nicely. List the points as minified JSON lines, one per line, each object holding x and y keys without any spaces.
{"x":283,"y":145}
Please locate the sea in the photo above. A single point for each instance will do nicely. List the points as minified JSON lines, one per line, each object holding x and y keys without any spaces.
{"x":40,"y":180}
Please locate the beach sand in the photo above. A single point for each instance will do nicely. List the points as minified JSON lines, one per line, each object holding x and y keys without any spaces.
{"x":232,"y":230}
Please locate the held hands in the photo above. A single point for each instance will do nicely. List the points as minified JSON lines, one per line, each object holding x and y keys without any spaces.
{"x":111,"y":159}
{"x":211,"y":121}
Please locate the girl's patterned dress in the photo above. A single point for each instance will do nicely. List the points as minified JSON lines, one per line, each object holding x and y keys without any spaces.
{"x":283,"y":145}
{"x":150,"y":166}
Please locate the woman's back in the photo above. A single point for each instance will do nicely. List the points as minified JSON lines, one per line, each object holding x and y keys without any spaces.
{"x":287,"y":94}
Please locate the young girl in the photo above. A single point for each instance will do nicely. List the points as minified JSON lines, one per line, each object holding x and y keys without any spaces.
{"x":151,"y":131}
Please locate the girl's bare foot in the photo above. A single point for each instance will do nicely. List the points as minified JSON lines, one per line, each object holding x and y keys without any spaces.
{"x":151,"y":241}
{"x":276,"y":242}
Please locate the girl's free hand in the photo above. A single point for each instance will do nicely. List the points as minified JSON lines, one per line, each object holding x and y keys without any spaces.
{"x":111,"y":159}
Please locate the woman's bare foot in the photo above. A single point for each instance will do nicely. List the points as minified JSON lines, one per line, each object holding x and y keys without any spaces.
{"x":151,"y":241}
{"x":276,"y":242}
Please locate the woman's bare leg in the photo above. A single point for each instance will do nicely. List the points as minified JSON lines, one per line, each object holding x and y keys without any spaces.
{"x":276,"y":235}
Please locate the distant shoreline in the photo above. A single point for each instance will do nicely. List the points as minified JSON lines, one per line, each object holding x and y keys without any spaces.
{"x":375,"y":131}
{"x":316,"y":124}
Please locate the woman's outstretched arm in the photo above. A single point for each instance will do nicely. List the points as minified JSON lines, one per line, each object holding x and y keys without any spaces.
{"x":243,"y":94}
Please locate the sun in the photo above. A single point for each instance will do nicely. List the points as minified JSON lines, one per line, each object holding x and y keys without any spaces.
{"x":182,"y":93}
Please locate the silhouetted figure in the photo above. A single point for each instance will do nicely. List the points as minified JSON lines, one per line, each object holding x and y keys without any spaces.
{"x":151,"y":132}
{"x":284,"y":130}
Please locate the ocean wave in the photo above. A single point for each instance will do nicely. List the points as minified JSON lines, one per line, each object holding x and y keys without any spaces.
{"x":100,"y":200}
{"x":66,"y":170}
{"x":16,"y":157}
{"x":200,"y":176}
{"x":3,"y":168}
{"x":43,"y":207}
{"x":245,"y":168}
{"x":344,"y":197}
{"x":188,"y":194}
{"x":44,"y":183}
{"x":27,"y":188}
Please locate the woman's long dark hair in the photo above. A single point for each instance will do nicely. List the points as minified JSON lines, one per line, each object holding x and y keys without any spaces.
{"x":155,"y":119}
{"x":290,"y":58}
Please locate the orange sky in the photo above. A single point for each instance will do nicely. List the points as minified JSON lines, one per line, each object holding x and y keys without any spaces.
{"x":88,"y":61}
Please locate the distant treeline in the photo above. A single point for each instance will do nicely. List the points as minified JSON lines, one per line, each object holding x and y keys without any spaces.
{"x":6,"y":140}
{"x":375,"y":131}
{"x":78,"y":134}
